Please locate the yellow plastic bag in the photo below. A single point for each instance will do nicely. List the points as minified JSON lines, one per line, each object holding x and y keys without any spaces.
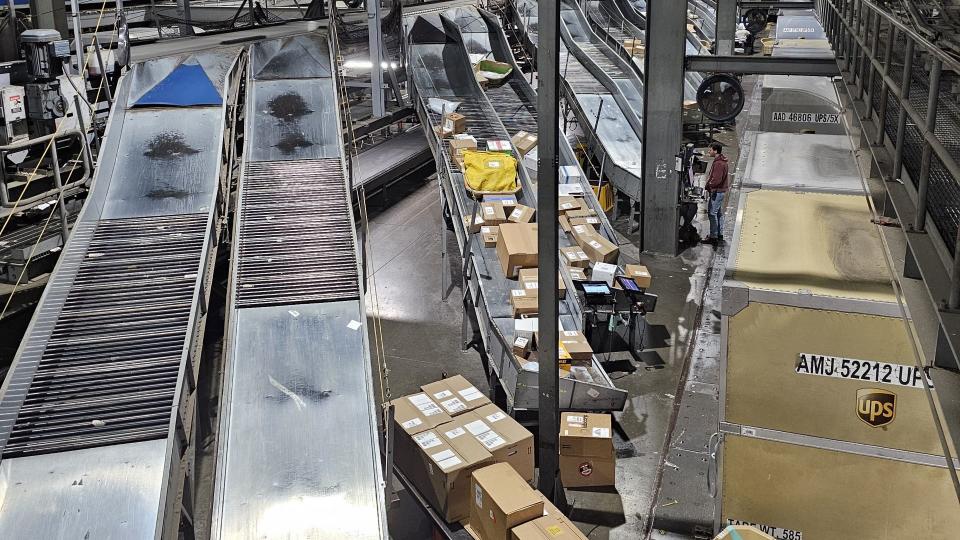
{"x":489,"y":171}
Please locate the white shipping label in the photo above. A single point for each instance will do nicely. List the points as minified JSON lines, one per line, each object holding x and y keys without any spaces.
{"x":806,"y":117}
{"x":420,"y":399}
{"x":411,"y":423}
{"x":532,"y":285}
{"x":582,"y":255}
{"x":601,"y":432}
{"x":448,"y":125}
{"x":861,"y":370}
{"x":443,"y":394}
{"x":581,"y":229}
{"x":478,"y":496}
{"x":570,"y":333}
{"x":454,"y":405}
{"x":454,"y":433}
{"x":488,"y":210}
{"x":521,"y":342}
{"x":491,"y":440}
{"x":477,"y":427}
{"x":779,"y":533}
{"x":470,"y":394}
{"x":577,"y":421}
{"x":440,"y":456}
{"x":496,"y":417}
{"x":427,"y":439}
{"x":430,"y":410}
{"x":449,"y":463}
{"x":566,"y":206}
{"x":595,"y":244}
{"x":518,"y":292}
{"x":516,"y":214}
{"x":486,"y":230}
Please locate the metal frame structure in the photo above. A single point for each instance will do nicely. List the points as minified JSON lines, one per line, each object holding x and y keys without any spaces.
{"x":899,"y":82}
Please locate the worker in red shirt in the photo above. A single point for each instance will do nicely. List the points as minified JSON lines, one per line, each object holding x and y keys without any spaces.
{"x":718,"y":182}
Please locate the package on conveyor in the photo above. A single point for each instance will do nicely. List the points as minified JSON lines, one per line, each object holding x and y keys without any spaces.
{"x":604,"y":272}
{"x":489,"y":235}
{"x":530,"y":162}
{"x":524,"y":142}
{"x":517,"y":247}
{"x":575,"y":257}
{"x":501,"y":501}
{"x":458,"y":145}
{"x":487,"y":173}
{"x":577,"y":273}
{"x":567,"y":204}
{"x":522,"y":213}
{"x":509,"y":202}
{"x":494,"y":72}
{"x":501,"y":435}
{"x":453,"y":123}
{"x":595,"y":245}
{"x":639,"y":273}
{"x":476,"y":226}
{"x":634,"y":47}
{"x":570,"y":181}
{"x":523,"y":302}
{"x":530,"y":281}
{"x":504,"y":147}
{"x":592,"y":221}
{"x":587,"y":457}
{"x":492,"y":213}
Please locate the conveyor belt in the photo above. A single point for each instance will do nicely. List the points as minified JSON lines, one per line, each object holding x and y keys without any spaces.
{"x":104,"y":373}
{"x":298,"y":449}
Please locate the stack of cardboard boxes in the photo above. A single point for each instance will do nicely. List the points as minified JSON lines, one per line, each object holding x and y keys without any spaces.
{"x":587,"y":457}
{"x":449,"y":430}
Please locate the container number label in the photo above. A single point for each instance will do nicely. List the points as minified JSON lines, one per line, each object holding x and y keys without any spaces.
{"x":806,"y":117}
{"x":777,"y":532}
{"x":861,"y":370}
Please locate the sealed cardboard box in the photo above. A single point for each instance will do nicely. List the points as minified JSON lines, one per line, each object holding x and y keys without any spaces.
{"x":592,"y":221}
{"x":605,"y":272}
{"x":599,"y":249}
{"x":586,"y":434}
{"x":500,"y":146}
{"x":574,"y":189}
{"x":639,"y":273}
{"x":526,"y":327}
{"x":489,"y":235}
{"x":509,"y":202}
{"x":455,"y":395}
{"x":581,"y":233}
{"x":522,"y":303}
{"x":458,"y":145}
{"x":575,"y":344}
{"x":548,"y":527}
{"x":577,"y":273}
{"x":522,"y":214}
{"x":530,"y":280}
{"x":564,"y":222}
{"x":477,"y":223}
{"x":587,"y":471}
{"x":497,"y":433}
{"x":454,"y":123}
{"x":417,"y":413}
{"x":522,"y":346}
{"x":581,"y":213}
{"x":566,"y":204}
{"x":517,"y":247}
{"x":501,"y":500}
{"x":492,"y":213}
{"x":440,"y":473}
{"x":574,"y":256}
{"x":524,"y":142}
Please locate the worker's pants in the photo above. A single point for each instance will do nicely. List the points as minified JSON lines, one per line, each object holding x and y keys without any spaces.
{"x":715,"y":211}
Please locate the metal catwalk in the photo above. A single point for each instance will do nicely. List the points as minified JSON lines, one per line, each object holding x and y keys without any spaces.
{"x":439,"y":67}
{"x":97,"y":413}
{"x":298,"y":453}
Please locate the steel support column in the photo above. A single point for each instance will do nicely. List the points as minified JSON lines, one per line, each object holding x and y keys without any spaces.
{"x":923,"y":184}
{"x":664,"y":61}
{"x":548,"y":108}
{"x":726,"y":26}
{"x":375,"y":42}
{"x":902,"y":120}
{"x":885,"y":90}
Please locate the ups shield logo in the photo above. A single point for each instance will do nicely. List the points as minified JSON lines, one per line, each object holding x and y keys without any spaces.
{"x":876,"y":407}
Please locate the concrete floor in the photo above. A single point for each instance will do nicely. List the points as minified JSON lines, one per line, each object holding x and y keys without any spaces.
{"x":421,"y":343}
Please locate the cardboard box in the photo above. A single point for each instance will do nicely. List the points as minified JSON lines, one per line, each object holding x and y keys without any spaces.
{"x":501,"y":500}
{"x":497,"y":433}
{"x":566,"y":204}
{"x":522,"y":214}
{"x":576,"y":346}
{"x":500,"y":146}
{"x":458,"y":146}
{"x":453,"y":123}
{"x":477,"y":223}
{"x":489,"y":235}
{"x":517,"y":247}
{"x":509,"y":202}
{"x":581,"y":232}
{"x":587,"y":471}
{"x":524,"y":142}
{"x":592,"y":221}
{"x":549,"y":527}
{"x":417,"y":412}
{"x":522,"y":303}
{"x":530,"y":280}
{"x":574,"y":256}
{"x":577,"y":273}
{"x":522,"y":346}
{"x":586,"y":434}
{"x":599,"y":249}
{"x":564,"y":222}
{"x":639,"y":273}
{"x":455,"y":395}
{"x":441,"y":474}
{"x":492,"y":213}
{"x":530,"y":161}
{"x":526,"y":327}
{"x":575,"y":188}
{"x":581,"y":213}
{"x":604,"y":272}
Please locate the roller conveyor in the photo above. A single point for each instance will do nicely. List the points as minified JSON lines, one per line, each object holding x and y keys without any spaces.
{"x":96,"y":415}
{"x":440,"y":68}
{"x":298,"y":452}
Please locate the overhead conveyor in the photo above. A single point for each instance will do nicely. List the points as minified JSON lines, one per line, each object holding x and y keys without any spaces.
{"x":97,"y":414}
{"x":440,"y":68}
{"x":298,"y":453}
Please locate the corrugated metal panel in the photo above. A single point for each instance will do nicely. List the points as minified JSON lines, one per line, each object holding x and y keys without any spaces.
{"x":295,"y":235}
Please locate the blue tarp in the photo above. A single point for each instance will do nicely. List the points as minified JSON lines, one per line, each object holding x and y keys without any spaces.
{"x":187,"y":85}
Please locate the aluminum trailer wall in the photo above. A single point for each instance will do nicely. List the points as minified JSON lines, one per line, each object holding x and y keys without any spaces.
{"x":439,"y":67}
{"x":97,"y":412}
{"x":298,"y":453}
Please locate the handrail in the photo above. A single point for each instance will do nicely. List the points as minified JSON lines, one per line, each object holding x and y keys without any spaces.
{"x":24,"y":145}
